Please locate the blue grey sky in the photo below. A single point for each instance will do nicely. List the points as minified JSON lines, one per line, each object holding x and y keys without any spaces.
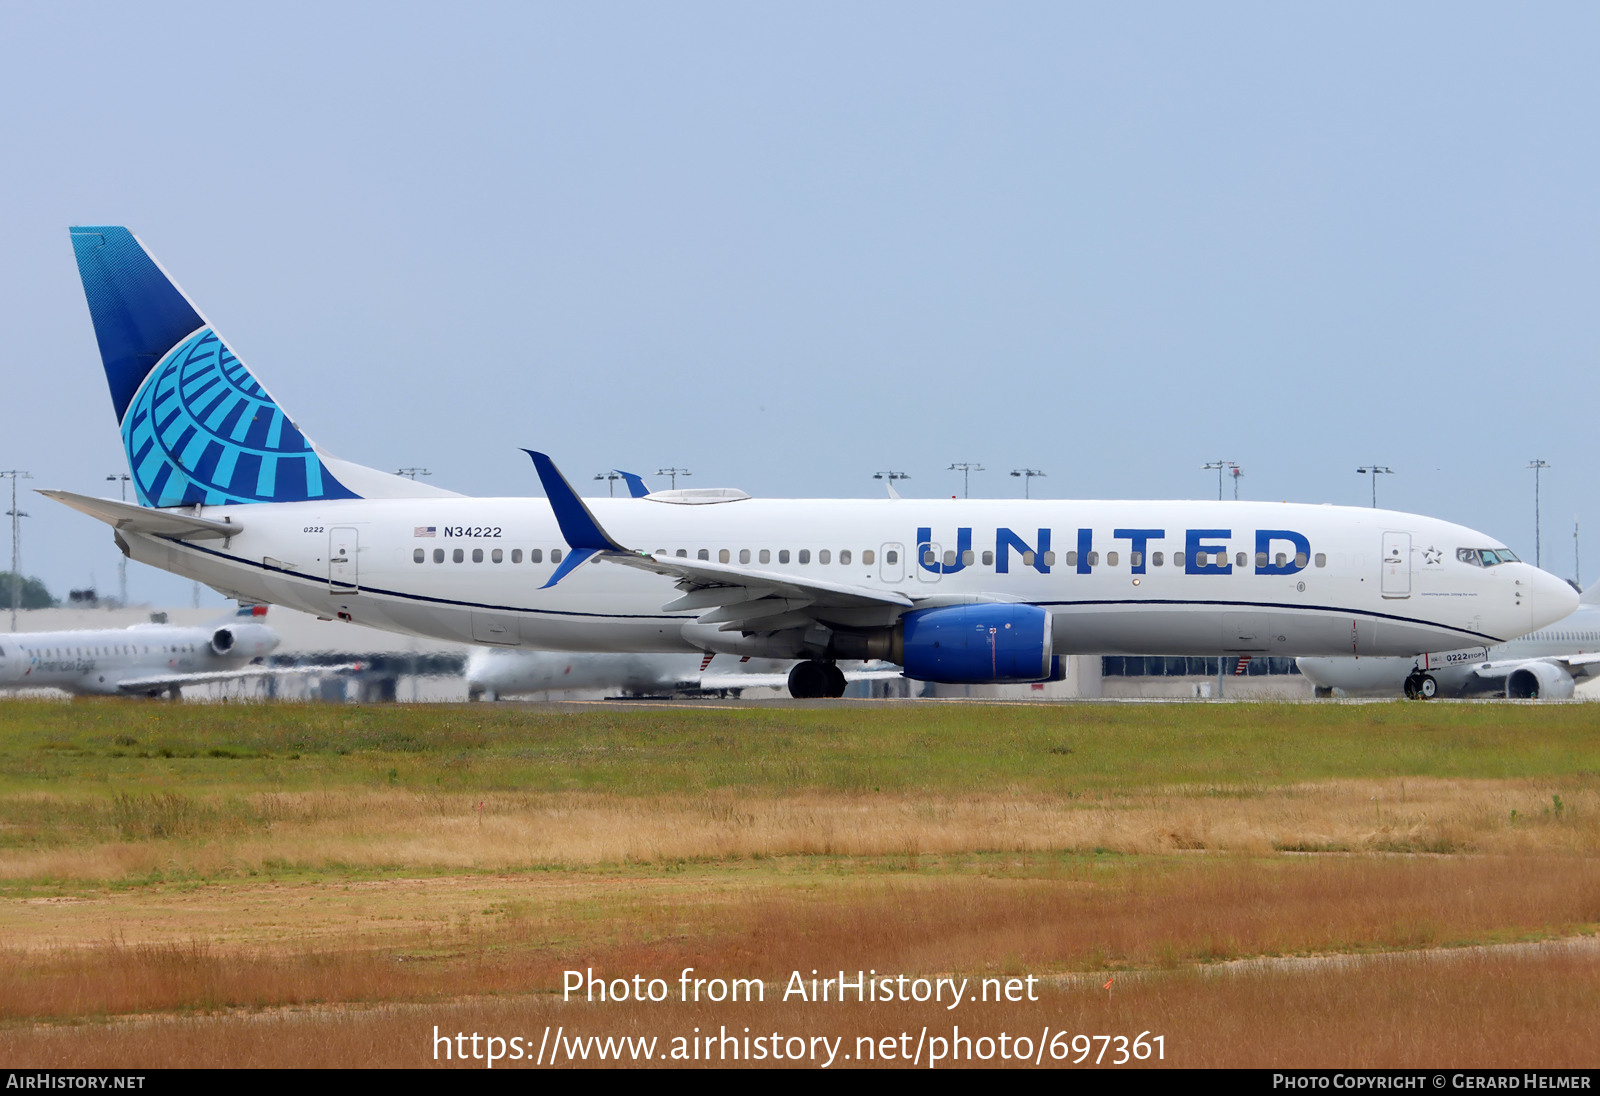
{"x":789,"y":246}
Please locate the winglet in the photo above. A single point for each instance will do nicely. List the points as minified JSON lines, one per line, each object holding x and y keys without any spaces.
{"x":635,"y":482}
{"x":581,"y":531}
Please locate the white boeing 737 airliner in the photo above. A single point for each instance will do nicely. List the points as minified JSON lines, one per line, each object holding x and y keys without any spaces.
{"x":966,"y":592}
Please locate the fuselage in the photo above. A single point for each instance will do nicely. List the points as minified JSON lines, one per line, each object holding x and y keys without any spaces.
{"x":100,"y":661}
{"x":1454,"y":671}
{"x":1177,"y":577}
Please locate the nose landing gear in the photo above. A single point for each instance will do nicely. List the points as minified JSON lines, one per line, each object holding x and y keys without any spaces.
{"x":1420,"y":686}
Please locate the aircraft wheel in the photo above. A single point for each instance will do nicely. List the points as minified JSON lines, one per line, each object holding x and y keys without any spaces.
{"x":836,"y":681}
{"x":1411,"y":687}
{"x":808,"y":680}
{"x":1322,"y":692}
{"x":1427,"y":688}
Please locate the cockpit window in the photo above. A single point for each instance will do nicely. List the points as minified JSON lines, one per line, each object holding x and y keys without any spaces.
{"x":1486,"y":557}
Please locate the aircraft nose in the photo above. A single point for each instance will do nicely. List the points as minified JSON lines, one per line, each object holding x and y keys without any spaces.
{"x":1546,"y":597}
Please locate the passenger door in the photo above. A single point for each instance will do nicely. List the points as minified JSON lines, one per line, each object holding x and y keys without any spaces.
{"x":1396,"y":581}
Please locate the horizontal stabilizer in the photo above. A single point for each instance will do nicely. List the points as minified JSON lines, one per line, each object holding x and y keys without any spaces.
{"x":174,"y":524}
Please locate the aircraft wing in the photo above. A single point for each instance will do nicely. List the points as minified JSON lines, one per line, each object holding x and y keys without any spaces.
{"x":154,"y":682}
{"x":751,"y":600}
{"x":142,"y":519}
{"x":738,"y":598}
{"x":731,"y":681}
{"x":1581,"y":665}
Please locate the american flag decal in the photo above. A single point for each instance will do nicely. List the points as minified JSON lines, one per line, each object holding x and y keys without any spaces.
{"x":425,"y":531}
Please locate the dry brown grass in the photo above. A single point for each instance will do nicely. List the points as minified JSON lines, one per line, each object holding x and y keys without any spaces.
{"x":253,"y":945}
{"x":401,"y":829}
{"x":1474,"y":1010}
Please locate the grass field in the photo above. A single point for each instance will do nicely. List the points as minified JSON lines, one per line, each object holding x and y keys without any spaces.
{"x":325,"y":885}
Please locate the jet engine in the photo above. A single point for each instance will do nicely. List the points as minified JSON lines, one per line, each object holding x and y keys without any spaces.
{"x":976,"y":644}
{"x":243,"y":641}
{"x":1539,"y":681}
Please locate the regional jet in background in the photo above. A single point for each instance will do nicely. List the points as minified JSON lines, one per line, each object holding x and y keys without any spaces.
{"x":494,"y":673}
{"x":1544,"y":665}
{"x":141,"y":660}
{"x":232,"y":494}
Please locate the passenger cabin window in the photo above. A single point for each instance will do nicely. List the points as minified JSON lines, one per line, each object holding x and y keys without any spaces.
{"x":805,"y":555}
{"x":1321,"y":559}
{"x":1155,"y":559}
{"x":967,"y":558}
{"x":555,"y":555}
{"x":722,"y":555}
{"x":704,"y":554}
{"x":744,"y":555}
{"x":477,"y":555}
{"x":988,"y":559}
{"x":418,"y":555}
{"x":1240,"y":559}
{"x":1111,"y":559}
{"x":844,"y":556}
{"x":536,"y":555}
{"x":458,"y":555}
{"x":497,"y":556}
{"x":438,"y":555}
{"x":1135,"y":559}
{"x":824,"y":556}
{"x":868,"y":556}
{"x":516,"y":555}
{"x":1027,"y":559}
{"x":783,"y":555}
{"x":1072,"y":559}
{"x":765,"y":556}
{"x":1177,"y":559}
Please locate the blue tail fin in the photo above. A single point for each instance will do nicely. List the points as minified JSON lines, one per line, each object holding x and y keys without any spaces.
{"x":197,"y":427}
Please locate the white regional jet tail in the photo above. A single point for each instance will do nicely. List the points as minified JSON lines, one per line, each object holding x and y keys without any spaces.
{"x":197,"y":425}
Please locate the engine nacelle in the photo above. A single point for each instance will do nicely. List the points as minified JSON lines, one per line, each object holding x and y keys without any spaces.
{"x":243,"y":641}
{"x":1539,"y":681}
{"x":986,"y":644}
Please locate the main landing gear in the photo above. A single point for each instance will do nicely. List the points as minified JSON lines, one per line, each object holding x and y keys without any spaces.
{"x":815,"y":678}
{"x":1420,"y":686}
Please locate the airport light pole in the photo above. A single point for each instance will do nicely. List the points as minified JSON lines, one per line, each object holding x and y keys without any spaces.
{"x":1220,"y":466}
{"x":1537,"y":466}
{"x":891,"y":477}
{"x":673,"y":474}
{"x":1026,"y":475}
{"x":16,"y":542}
{"x":966,"y":468}
{"x":1375,"y":471}
{"x":122,"y":564}
{"x":1235,"y":471}
{"x":611,"y":486}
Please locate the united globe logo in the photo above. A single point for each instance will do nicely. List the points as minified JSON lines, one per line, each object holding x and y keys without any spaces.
{"x":201,"y":430}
